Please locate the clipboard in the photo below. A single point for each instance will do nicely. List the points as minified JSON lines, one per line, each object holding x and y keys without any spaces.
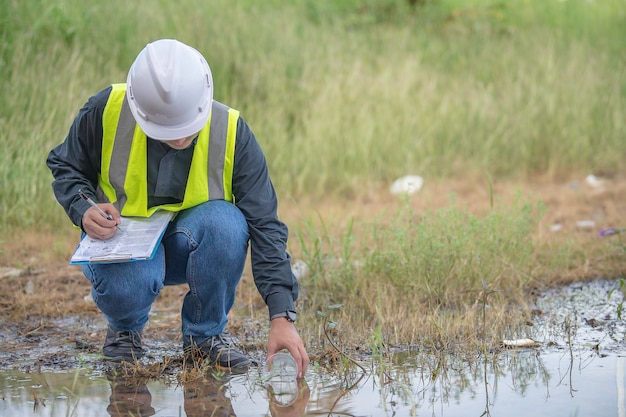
{"x":137,"y":239}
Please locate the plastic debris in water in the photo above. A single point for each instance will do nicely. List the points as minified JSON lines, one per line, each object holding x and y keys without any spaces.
{"x":520,"y":343}
{"x":407,"y":185}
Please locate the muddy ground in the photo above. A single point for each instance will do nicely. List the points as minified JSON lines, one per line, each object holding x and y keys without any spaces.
{"x":48,"y":321}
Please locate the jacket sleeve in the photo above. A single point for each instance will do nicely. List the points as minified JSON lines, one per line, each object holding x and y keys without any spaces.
{"x":75,"y":163}
{"x":256,"y":198}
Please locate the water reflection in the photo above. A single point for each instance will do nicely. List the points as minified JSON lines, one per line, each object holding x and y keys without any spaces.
{"x":580,"y":370}
{"x":295,"y":408}
{"x":556,"y":383}
{"x":510,"y":384}
{"x":130,"y":397}
{"x":207,"y":398}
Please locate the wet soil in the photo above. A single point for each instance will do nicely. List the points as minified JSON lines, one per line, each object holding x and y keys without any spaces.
{"x":48,"y":321}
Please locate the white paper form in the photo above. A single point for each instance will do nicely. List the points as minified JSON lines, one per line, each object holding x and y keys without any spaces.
{"x":136,"y":239}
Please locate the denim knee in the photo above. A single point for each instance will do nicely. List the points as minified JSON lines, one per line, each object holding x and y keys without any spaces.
{"x":119,"y":293}
{"x":218,"y":222}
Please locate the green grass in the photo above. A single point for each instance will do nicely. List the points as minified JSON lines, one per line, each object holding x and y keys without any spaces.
{"x":420,"y":269}
{"x":372,"y":89}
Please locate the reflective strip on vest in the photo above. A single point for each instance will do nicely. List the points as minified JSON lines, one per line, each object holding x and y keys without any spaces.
{"x":125,"y":184}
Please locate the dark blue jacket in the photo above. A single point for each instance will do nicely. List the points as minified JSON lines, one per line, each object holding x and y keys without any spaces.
{"x":75,"y":164}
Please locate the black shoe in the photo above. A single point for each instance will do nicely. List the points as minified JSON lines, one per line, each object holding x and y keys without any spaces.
{"x":122,"y":345}
{"x":221,"y":352}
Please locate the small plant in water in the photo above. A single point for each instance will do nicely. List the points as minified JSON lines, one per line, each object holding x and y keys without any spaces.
{"x":612,"y":231}
{"x":377,"y":345}
{"x":486,"y":292}
{"x":620,"y":306}
{"x":331,"y":325}
{"x":346,"y":359}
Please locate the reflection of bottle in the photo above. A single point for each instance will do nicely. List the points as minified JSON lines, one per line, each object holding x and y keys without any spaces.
{"x":296,"y":408}
{"x":280,"y":378}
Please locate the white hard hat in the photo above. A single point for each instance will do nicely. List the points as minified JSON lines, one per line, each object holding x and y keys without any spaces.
{"x":170,"y":90}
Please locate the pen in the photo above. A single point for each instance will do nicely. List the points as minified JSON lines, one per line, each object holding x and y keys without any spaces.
{"x":93,"y":204}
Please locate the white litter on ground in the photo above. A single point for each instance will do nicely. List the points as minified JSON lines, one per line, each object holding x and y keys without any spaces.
{"x":300,"y":269}
{"x":407,"y":185}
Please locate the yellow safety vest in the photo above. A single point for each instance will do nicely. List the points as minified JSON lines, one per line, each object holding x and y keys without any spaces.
{"x":123,"y":179}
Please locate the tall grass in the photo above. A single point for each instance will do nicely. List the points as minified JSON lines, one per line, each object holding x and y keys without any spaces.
{"x":426,"y":276}
{"x":337,"y":93}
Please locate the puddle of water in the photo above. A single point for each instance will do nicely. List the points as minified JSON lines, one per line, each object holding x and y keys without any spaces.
{"x":516,"y":384}
{"x":583,"y":378}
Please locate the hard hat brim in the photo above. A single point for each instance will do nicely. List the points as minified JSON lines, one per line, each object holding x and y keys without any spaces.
{"x":160,"y":132}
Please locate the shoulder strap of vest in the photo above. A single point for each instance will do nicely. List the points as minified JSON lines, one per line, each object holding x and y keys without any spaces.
{"x":217,"y":149}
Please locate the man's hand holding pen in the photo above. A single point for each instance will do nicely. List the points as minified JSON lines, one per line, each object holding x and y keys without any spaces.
{"x":99,"y":227}
{"x":100,"y":221}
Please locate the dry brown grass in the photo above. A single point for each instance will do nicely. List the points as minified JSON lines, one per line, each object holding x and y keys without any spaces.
{"x":50,"y":288}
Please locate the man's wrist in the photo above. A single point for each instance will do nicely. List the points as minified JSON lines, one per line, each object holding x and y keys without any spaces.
{"x":289,"y":315}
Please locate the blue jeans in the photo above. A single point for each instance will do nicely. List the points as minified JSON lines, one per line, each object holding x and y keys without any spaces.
{"x":205,"y":247}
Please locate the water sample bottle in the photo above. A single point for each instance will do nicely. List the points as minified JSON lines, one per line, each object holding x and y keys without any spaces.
{"x":280,"y":375}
